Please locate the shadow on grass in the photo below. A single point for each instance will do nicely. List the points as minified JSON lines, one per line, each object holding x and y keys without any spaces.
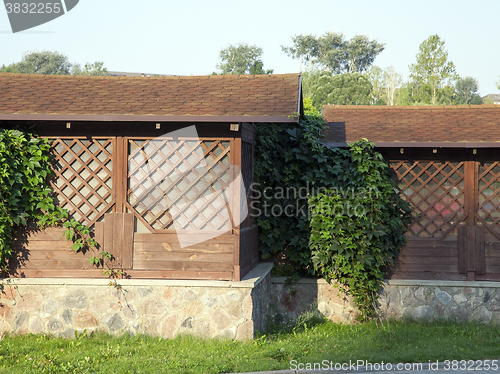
{"x":277,"y":325}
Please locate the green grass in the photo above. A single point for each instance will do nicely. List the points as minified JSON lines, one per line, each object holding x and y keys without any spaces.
{"x":310,"y":341}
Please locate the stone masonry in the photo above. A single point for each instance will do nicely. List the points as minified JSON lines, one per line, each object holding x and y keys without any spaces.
{"x":416,"y":299}
{"x":163,"y":308}
{"x":453,"y":300}
{"x":234,"y":310}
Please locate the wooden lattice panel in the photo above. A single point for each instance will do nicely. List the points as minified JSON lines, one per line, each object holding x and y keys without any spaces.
{"x":436,"y":192}
{"x":178,"y":180}
{"x":83,"y":182}
{"x":489,"y":195}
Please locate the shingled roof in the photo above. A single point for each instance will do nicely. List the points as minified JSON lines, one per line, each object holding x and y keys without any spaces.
{"x":414,"y":126}
{"x":250,"y":98}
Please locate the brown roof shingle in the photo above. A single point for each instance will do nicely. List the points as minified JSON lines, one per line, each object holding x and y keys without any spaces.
{"x":254,"y":97}
{"x":390,"y":125}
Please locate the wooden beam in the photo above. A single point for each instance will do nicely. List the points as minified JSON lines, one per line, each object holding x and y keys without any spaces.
{"x":479,"y":257}
{"x":128,"y":240}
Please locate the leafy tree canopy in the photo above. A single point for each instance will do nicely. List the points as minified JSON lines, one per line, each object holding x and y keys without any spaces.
{"x":324,"y":87}
{"x":386,"y":84}
{"x":96,"y":68}
{"x":45,"y":62}
{"x":467,"y":90}
{"x":242,"y":59}
{"x":51,"y":62}
{"x":432,"y":71}
{"x":332,"y":51}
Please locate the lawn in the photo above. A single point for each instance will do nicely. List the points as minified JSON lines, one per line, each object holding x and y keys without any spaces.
{"x":311,"y":341}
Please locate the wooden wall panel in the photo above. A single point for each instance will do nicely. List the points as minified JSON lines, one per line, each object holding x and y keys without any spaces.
{"x":428,"y":259}
{"x":47,"y":249}
{"x":162,"y":252}
{"x":135,"y":274}
{"x":249,"y":249}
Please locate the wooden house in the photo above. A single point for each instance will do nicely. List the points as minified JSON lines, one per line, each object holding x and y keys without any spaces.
{"x":446,"y":162}
{"x":104,"y":127}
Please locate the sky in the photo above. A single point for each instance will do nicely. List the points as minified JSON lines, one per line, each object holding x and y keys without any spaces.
{"x":185,"y":37}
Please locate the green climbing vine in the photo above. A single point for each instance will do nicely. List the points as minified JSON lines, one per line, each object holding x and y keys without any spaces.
{"x":289,"y":161}
{"x":358,"y":231}
{"x":330,"y":212}
{"x":25,"y":195}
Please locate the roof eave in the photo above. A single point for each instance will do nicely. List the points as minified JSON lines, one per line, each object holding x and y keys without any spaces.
{"x":145,"y":118}
{"x":424,"y":144}
{"x":300,"y":104}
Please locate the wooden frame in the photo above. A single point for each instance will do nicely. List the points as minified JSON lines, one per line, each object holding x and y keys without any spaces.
{"x":457,"y":194}
{"x":155,"y":252}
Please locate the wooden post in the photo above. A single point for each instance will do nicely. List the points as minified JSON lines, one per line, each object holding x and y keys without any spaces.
{"x":235,"y":157}
{"x":120,"y":173}
{"x":128,"y":240}
{"x":462,"y":249}
{"x":118,"y":237}
{"x":469,"y":192}
{"x":471,"y":256}
{"x":479,"y":255}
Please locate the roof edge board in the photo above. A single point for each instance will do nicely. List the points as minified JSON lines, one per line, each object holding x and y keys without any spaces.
{"x":424,"y":144}
{"x":300,"y":104}
{"x":146,"y":118}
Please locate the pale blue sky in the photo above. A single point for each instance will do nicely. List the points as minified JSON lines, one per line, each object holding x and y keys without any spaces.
{"x":184,"y":37}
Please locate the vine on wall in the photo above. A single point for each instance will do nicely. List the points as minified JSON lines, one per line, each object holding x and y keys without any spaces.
{"x":317,"y":230}
{"x":289,"y":161}
{"x":358,"y":233}
{"x":25,"y":195}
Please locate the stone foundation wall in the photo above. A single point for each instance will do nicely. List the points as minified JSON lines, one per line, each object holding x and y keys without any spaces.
{"x":423,"y":300}
{"x":156,"y":307}
{"x":233,"y":310}
{"x":460,"y":301}
{"x":290,"y":301}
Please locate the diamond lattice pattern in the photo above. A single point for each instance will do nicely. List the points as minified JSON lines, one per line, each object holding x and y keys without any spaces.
{"x":436,"y":192}
{"x":488,"y":193}
{"x":83,"y":181}
{"x":185,"y":174}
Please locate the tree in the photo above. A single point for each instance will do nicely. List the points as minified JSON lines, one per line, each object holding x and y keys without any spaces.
{"x":385,"y":84}
{"x":476,"y":100}
{"x":50,"y":62}
{"x":325,"y":88}
{"x":96,"y":68}
{"x":242,"y":59}
{"x":45,"y":62}
{"x":432,"y":71}
{"x":408,"y":94}
{"x":498,"y":84}
{"x":333,"y":52}
{"x":393,"y":81}
{"x":8,"y":69}
{"x":376,"y":77}
{"x":466,"y":90}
